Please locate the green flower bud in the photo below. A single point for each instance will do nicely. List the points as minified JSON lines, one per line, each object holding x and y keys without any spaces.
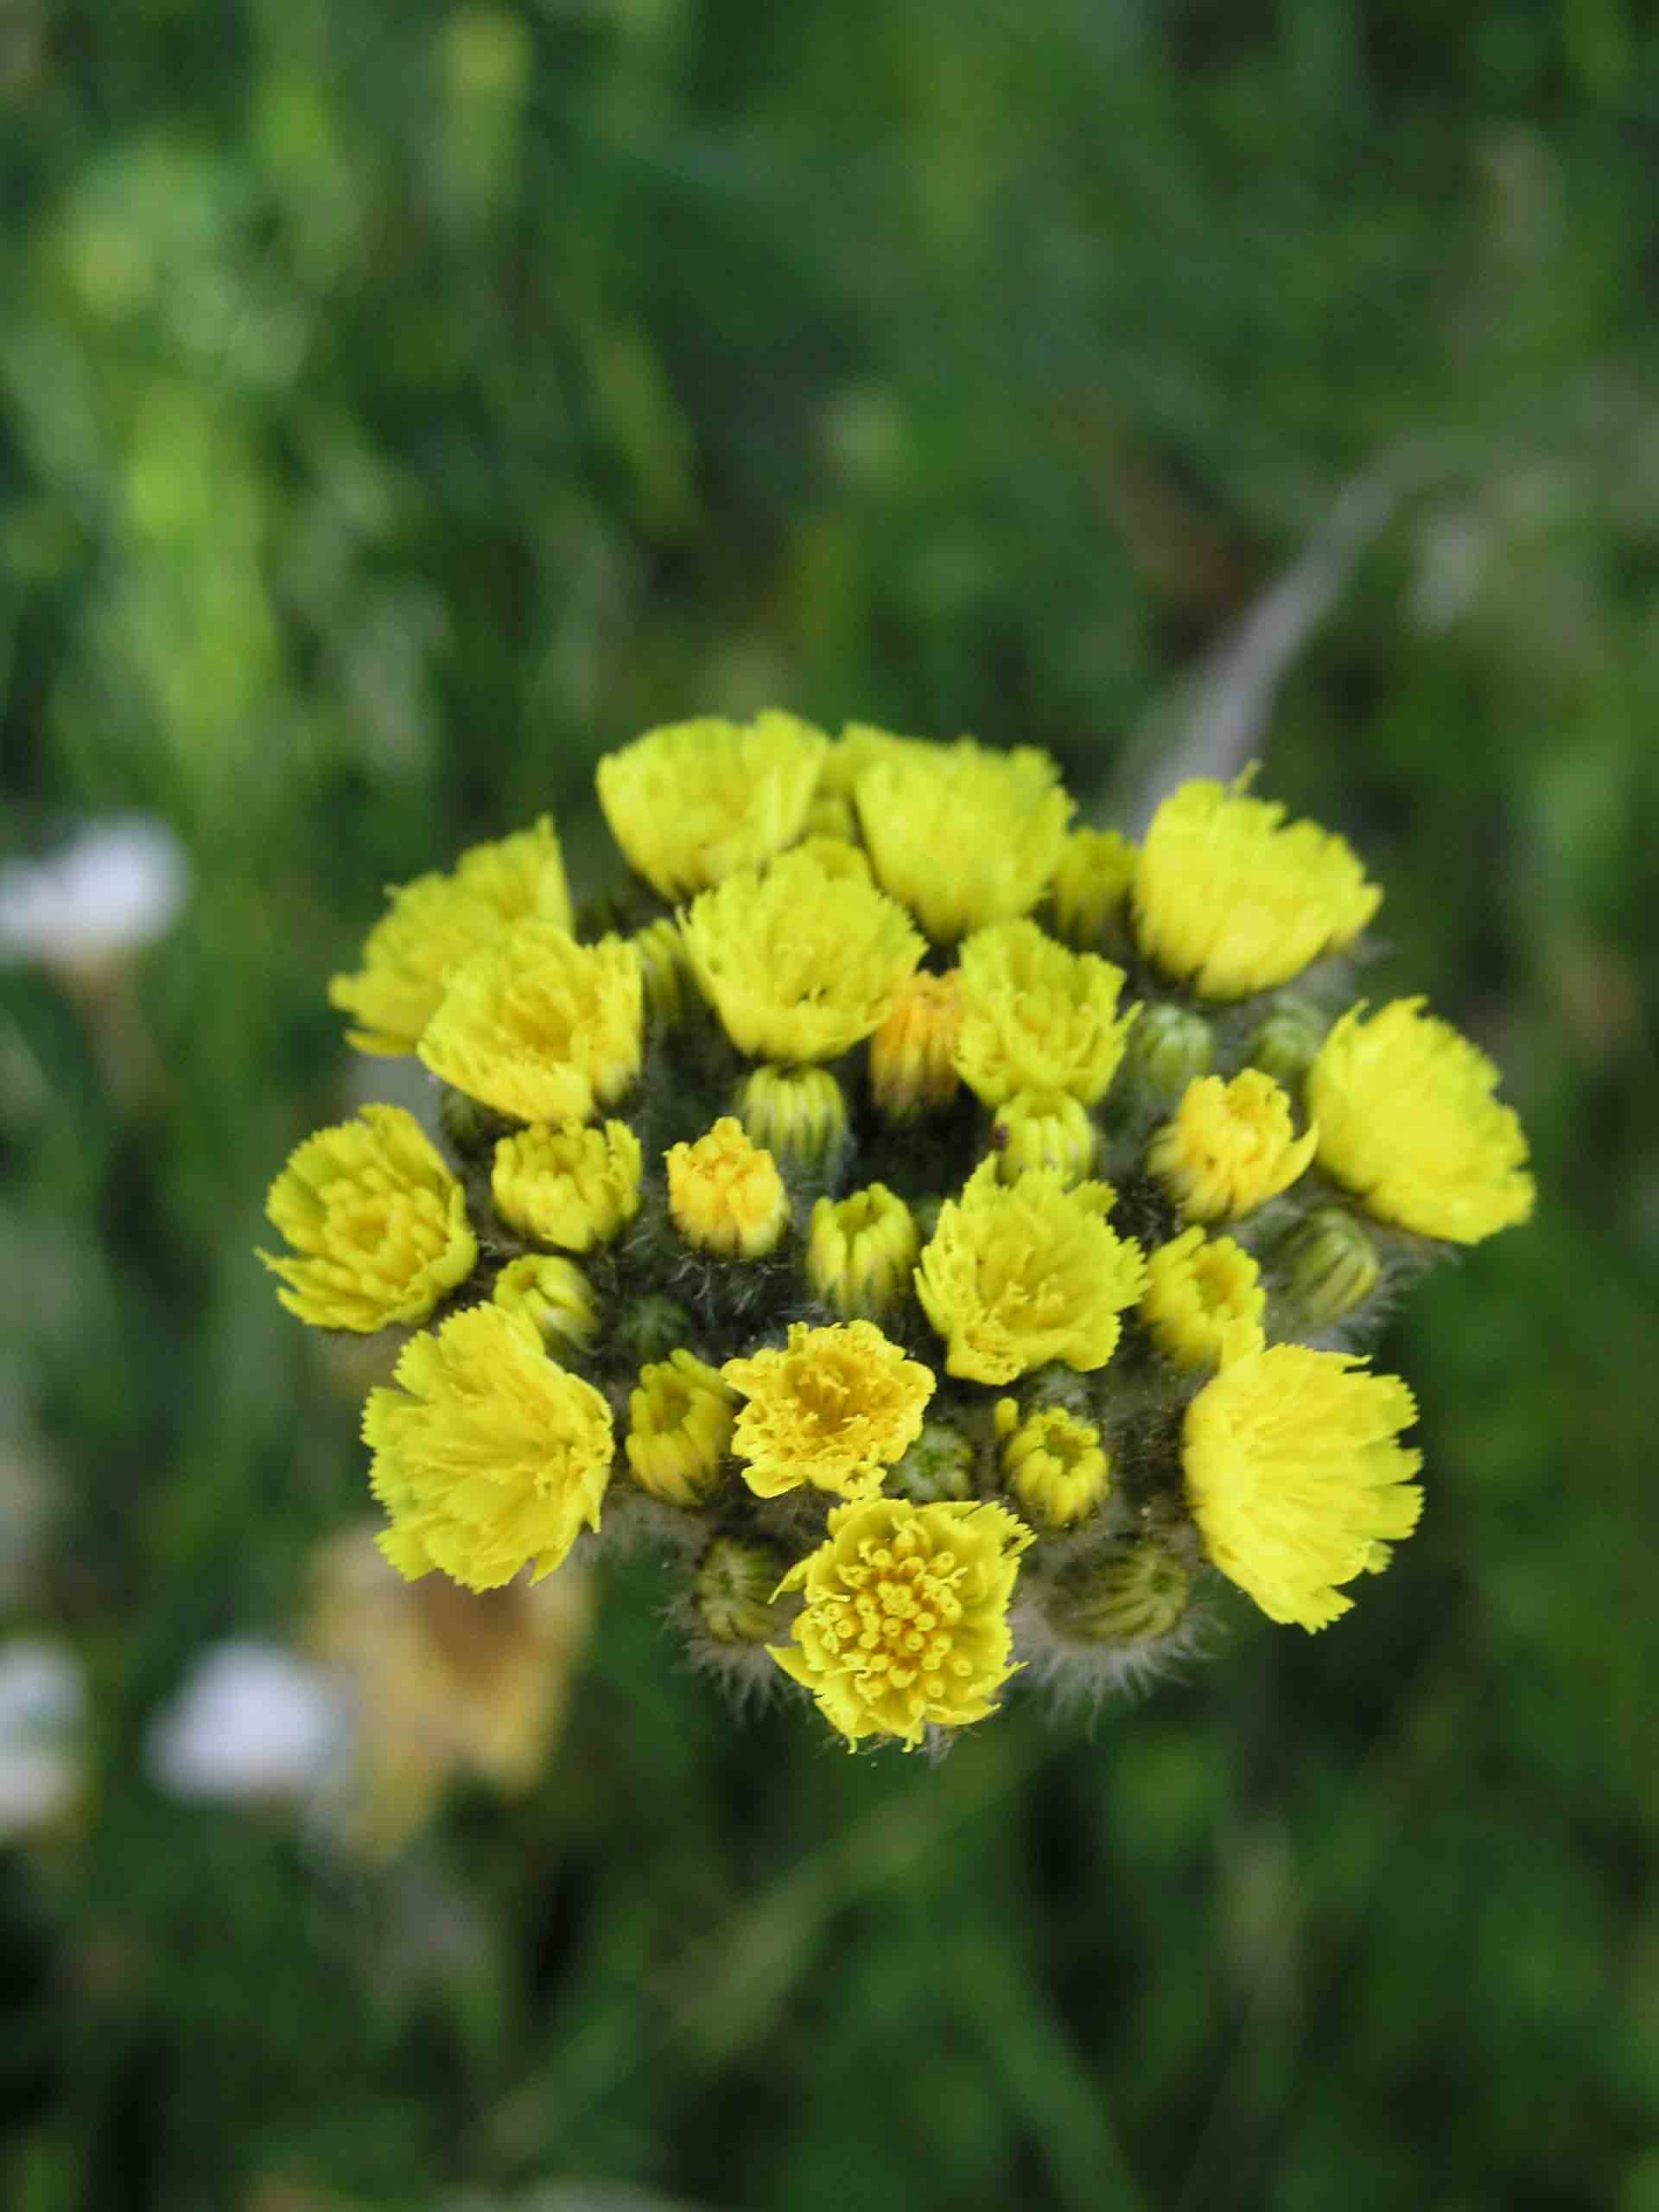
{"x":650,"y":1329}
{"x":1169,"y":1047}
{"x":1286,"y":1044}
{"x":1044,"y":1128}
{"x":938,"y":1466}
{"x":797,"y":1115}
{"x":732,"y":1592}
{"x":1329,"y":1265}
{"x":1134,"y":1593}
{"x":470,"y":1128}
{"x":554,"y":1296}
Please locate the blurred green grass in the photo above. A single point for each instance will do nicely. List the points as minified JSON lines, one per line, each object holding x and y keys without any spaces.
{"x":399,"y":406}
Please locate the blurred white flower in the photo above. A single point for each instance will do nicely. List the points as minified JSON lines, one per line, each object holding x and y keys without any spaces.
{"x":43,"y":1708}
{"x":250,"y":1721}
{"x":116,"y":888}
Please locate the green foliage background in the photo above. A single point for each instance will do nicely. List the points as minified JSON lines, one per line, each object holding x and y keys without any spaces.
{"x":400,"y":403}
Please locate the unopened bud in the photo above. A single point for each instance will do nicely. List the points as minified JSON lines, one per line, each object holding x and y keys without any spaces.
{"x":1286,"y":1043}
{"x":1091,"y":884}
{"x":1052,"y":1463}
{"x":664,"y":971}
{"x":938,"y":1466}
{"x":1132,"y":1593}
{"x":798,"y":1114}
{"x":680,"y":1420}
{"x":724,"y":1193}
{"x":1330,"y":1266}
{"x":732,"y":1592}
{"x":861,"y":1251}
{"x":1169,"y":1047}
{"x":648,"y":1329}
{"x":912,"y":1070}
{"x":1044,"y":1128}
{"x":553,"y":1296}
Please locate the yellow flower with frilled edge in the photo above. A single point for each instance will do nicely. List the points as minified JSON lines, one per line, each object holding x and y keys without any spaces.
{"x":1091,"y":883}
{"x":1230,"y":1147}
{"x":799,"y":963}
{"x":725,"y":1194}
{"x":1294,"y":1477}
{"x":680,"y":1420}
{"x":487,"y":1455}
{"x":436,"y":922}
{"x":553,"y":1296}
{"x":1203,"y":1295}
{"x":913,"y":1054}
{"x":962,"y":836}
{"x":1052,"y":1462}
{"x":1019,"y":1274}
{"x":1407,"y":1121}
{"x":539,"y":1026}
{"x":377,"y":1223}
{"x":861,"y":1249}
{"x":1231,"y":899}
{"x":1044,"y":1128}
{"x":693,"y":802}
{"x":834,"y":1407}
{"x":905,"y":1625}
{"x":664,"y":971}
{"x":571,"y":1186}
{"x":1037,"y":1017}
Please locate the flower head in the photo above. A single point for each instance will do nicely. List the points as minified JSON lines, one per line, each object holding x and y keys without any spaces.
{"x":798,"y":1114}
{"x":693,"y":802}
{"x":680,"y":1420}
{"x":664,"y":971}
{"x":859,"y":1250}
{"x":1017,"y":1275}
{"x":1294,"y":1477}
{"x":1044,"y":1128}
{"x":438,"y":921}
{"x":540,"y":1026}
{"x":833,"y":1408}
{"x":1230,"y":1147}
{"x":1091,"y":883}
{"x":1053,"y":1463}
{"x":1231,"y":899}
{"x":913,"y":1054}
{"x":962,"y":836}
{"x":905,"y":1625}
{"x":1036,"y":1017}
{"x":487,"y":1455}
{"x":799,"y":963}
{"x":555,"y":1298}
{"x":570,"y":1186}
{"x":1204,"y":1299}
{"x":725,"y":1194}
{"x":377,"y":1220}
{"x":1408,"y":1120}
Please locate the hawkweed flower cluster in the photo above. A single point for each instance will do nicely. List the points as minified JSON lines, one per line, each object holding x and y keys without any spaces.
{"x":944,"y":1232}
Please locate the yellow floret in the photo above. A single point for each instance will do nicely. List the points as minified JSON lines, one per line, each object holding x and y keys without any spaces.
{"x":680,"y":1421}
{"x":1204,"y":1299}
{"x":1408,"y":1122}
{"x":913,"y":1054}
{"x":436,"y":922}
{"x":570,"y":1186}
{"x":1294,"y":1477}
{"x":1016,"y":1275}
{"x":486,"y":1456}
{"x":1092,"y":883}
{"x":693,"y":802}
{"x":1044,"y":1128}
{"x":539,"y":1026}
{"x":553,"y":1296}
{"x":1231,"y":900}
{"x":861,"y":1249}
{"x":1230,"y":1147}
{"x":1036,"y":1017}
{"x":725,"y":1194}
{"x":905,"y":1625}
{"x":799,"y":963}
{"x":834,"y":1408}
{"x":377,"y":1222}
{"x":963,"y":836}
{"x":1053,"y":1463}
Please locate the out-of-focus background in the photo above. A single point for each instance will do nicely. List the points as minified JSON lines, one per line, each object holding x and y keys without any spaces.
{"x":402,"y":402}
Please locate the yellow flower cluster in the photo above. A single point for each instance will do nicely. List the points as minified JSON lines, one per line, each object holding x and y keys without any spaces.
{"x":828,"y":1120}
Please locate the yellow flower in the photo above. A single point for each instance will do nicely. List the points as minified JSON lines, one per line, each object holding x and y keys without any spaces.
{"x":570,"y":1186}
{"x":680,"y":1421}
{"x":1294,"y":1477}
{"x":1229,"y":1147}
{"x":436,"y":922}
{"x":725,"y":1194}
{"x":799,"y":963}
{"x":539,"y":1026}
{"x":487,"y":1455}
{"x":962,"y":836}
{"x":1053,"y":1463}
{"x":377,"y":1220}
{"x":798,"y":1114}
{"x":861,"y":1249}
{"x":1408,"y":1120}
{"x":1091,"y":883}
{"x":1019,"y":1275}
{"x":553,"y":1296}
{"x":905,"y":1625}
{"x":695,"y":801}
{"x":1203,"y":1296}
{"x":1044,"y":1128}
{"x":1229,"y":899}
{"x":664,"y":970}
{"x":913,"y":1054}
{"x":833,"y":1408}
{"x":860,"y":746}
{"x":1036,"y":1017}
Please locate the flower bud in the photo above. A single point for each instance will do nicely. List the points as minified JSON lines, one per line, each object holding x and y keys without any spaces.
{"x":664,"y":971}
{"x":732,"y":1592}
{"x":724,"y":1193}
{"x":1044,"y":1128}
{"x":554,"y":1296}
{"x":1286,"y":1044}
{"x":939,"y":1465}
{"x":1171,"y":1047}
{"x":1330,"y":1266}
{"x":912,"y":1054}
{"x":798,"y":1114}
{"x":859,"y":1251}
{"x":1091,"y":884}
{"x":1134,"y":1593}
{"x":1052,"y":1463}
{"x":648,"y":1329}
{"x":680,"y":1421}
